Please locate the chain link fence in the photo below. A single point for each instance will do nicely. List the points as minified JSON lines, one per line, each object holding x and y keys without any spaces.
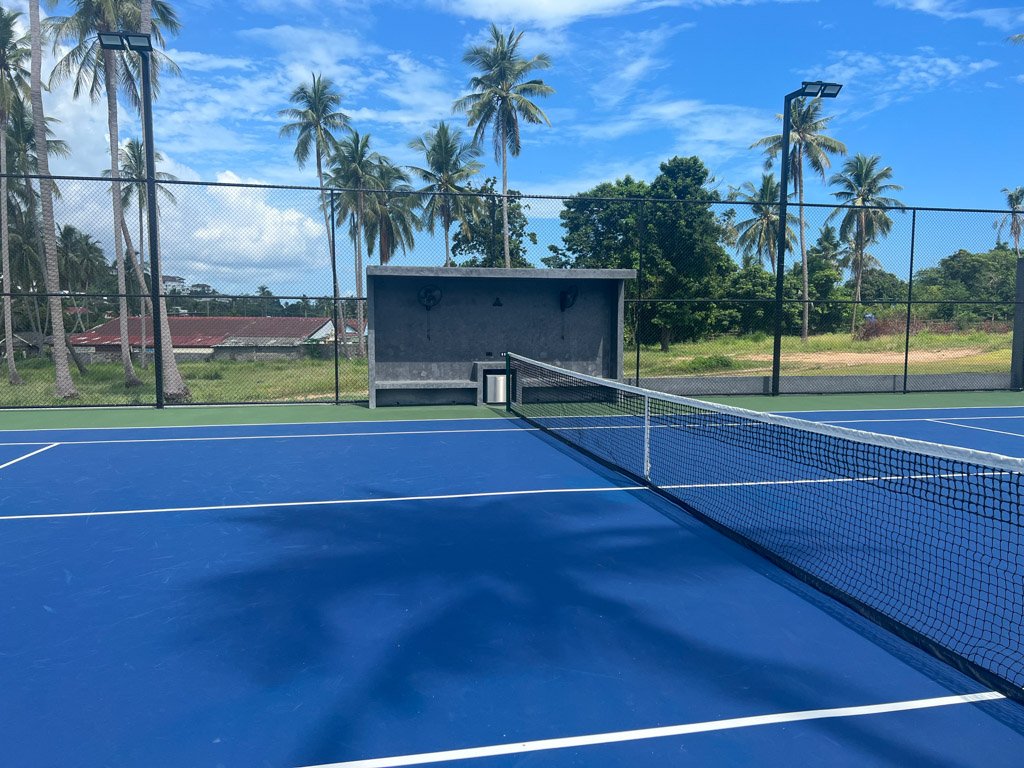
{"x":264,"y":291}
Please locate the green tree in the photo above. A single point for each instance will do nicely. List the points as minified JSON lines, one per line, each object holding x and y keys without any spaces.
{"x":132,"y":159}
{"x":688,"y":255}
{"x":354,"y":170}
{"x":758,"y":235}
{"x":450,"y":164}
{"x":482,"y":238}
{"x":863,"y":188}
{"x":827,"y":294}
{"x":316,"y":118}
{"x":604,"y":228}
{"x":501,"y":95}
{"x":15,"y":52}
{"x":391,"y":221}
{"x":808,"y":143}
{"x":1015,"y":218}
{"x":951,"y":289}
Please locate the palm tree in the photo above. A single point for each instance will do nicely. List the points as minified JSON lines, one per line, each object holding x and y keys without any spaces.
{"x":807,"y":142}
{"x":132,"y":159}
{"x":500,"y":96}
{"x":97,"y":70}
{"x":15,"y":52}
{"x":863,"y":189}
{"x":391,"y":220}
{"x":354,"y":169}
{"x":316,"y":116}
{"x":450,"y":163}
{"x":82,"y":264}
{"x":27,"y":232}
{"x":758,"y":235}
{"x":65,"y":386}
{"x":1015,"y":218}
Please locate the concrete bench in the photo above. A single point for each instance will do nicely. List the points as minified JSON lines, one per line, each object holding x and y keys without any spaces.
{"x":467,"y":391}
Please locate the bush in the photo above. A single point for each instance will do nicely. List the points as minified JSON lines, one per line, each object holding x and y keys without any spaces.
{"x":711,"y":363}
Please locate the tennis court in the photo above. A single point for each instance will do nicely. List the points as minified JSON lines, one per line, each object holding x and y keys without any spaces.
{"x":477,"y":592}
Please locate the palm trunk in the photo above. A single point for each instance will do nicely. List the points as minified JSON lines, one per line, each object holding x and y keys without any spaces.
{"x":5,"y":261}
{"x":64,"y":384}
{"x":357,"y":237}
{"x":110,"y":83}
{"x":858,"y":267}
{"x":146,"y":305}
{"x":447,"y":243}
{"x":504,"y":199}
{"x":805,"y":328}
{"x":333,"y":254}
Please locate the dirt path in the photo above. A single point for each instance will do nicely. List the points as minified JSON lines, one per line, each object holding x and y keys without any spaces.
{"x":869,"y":358}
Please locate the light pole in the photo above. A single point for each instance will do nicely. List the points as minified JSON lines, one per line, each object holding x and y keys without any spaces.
{"x":807,"y":90}
{"x":142,"y":44}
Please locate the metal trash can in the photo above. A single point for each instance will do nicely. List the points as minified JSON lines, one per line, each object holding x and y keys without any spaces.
{"x":494,"y":388}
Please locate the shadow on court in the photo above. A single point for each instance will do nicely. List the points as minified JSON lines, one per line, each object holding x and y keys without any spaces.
{"x":433,"y":626}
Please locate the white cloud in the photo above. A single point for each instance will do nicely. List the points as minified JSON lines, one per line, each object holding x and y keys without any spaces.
{"x":954,"y":10}
{"x":552,"y":14}
{"x":874,"y":81}
{"x":631,"y":60}
{"x":206,"y":62}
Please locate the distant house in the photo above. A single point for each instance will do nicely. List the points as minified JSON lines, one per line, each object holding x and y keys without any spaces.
{"x":217,"y":338}
{"x":173,"y":283}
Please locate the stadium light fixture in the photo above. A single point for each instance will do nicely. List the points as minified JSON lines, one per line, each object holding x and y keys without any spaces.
{"x":138,"y":42}
{"x":111,"y":41}
{"x":808,"y":89}
{"x":819,"y":89}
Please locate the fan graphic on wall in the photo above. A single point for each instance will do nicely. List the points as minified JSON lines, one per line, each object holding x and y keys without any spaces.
{"x":429,"y":296}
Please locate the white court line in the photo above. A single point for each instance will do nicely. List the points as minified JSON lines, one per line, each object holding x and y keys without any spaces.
{"x":661,"y":732}
{"x":28,"y":455}
{"x":980,"y":429}
{"x":325,"y":503}
{"x":386,"y":433}
{"x":242,"y":424}
{"x":916,"y":418}
{"x":229,"y":438}
{"x":487,"y":494}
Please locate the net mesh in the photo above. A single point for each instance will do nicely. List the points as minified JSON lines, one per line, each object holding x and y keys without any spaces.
{"x":925,"y":539}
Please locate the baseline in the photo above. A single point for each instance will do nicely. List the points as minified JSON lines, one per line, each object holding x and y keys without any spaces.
{"x":521,"y":747}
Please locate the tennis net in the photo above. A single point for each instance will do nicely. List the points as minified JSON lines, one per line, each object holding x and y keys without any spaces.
{"x":922,"y":538}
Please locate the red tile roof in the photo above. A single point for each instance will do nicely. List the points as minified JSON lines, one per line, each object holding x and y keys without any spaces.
{"x":189,"y":332}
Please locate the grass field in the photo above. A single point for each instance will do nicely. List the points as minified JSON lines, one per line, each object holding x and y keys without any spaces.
{"x":310,"y":380}
{"x":305,"y":380}
{"x":828,"y":355}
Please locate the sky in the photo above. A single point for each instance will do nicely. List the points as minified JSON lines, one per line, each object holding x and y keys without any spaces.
{"x":932,"y":86}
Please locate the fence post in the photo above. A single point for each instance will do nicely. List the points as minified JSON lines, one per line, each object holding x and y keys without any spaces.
{"x":638,"y":314}
{"x":334,"y":307}
{"x":910,"y":299}
{"x":1017,"y":357}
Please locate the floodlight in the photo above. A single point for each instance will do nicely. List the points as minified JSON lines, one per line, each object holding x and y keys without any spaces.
{"x":138,"y":42}
{"x":111,"y":41}
{"x":818,"y":89}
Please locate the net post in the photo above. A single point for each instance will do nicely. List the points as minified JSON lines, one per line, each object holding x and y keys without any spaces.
{"x":647,"y":437}
{"x":508,"y":383}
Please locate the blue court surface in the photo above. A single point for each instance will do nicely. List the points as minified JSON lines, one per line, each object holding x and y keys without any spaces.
{"x":462,"y":592}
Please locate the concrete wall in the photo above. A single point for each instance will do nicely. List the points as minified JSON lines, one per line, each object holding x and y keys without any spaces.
{"x":486,"y":312}
{"x":697,"y":386}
